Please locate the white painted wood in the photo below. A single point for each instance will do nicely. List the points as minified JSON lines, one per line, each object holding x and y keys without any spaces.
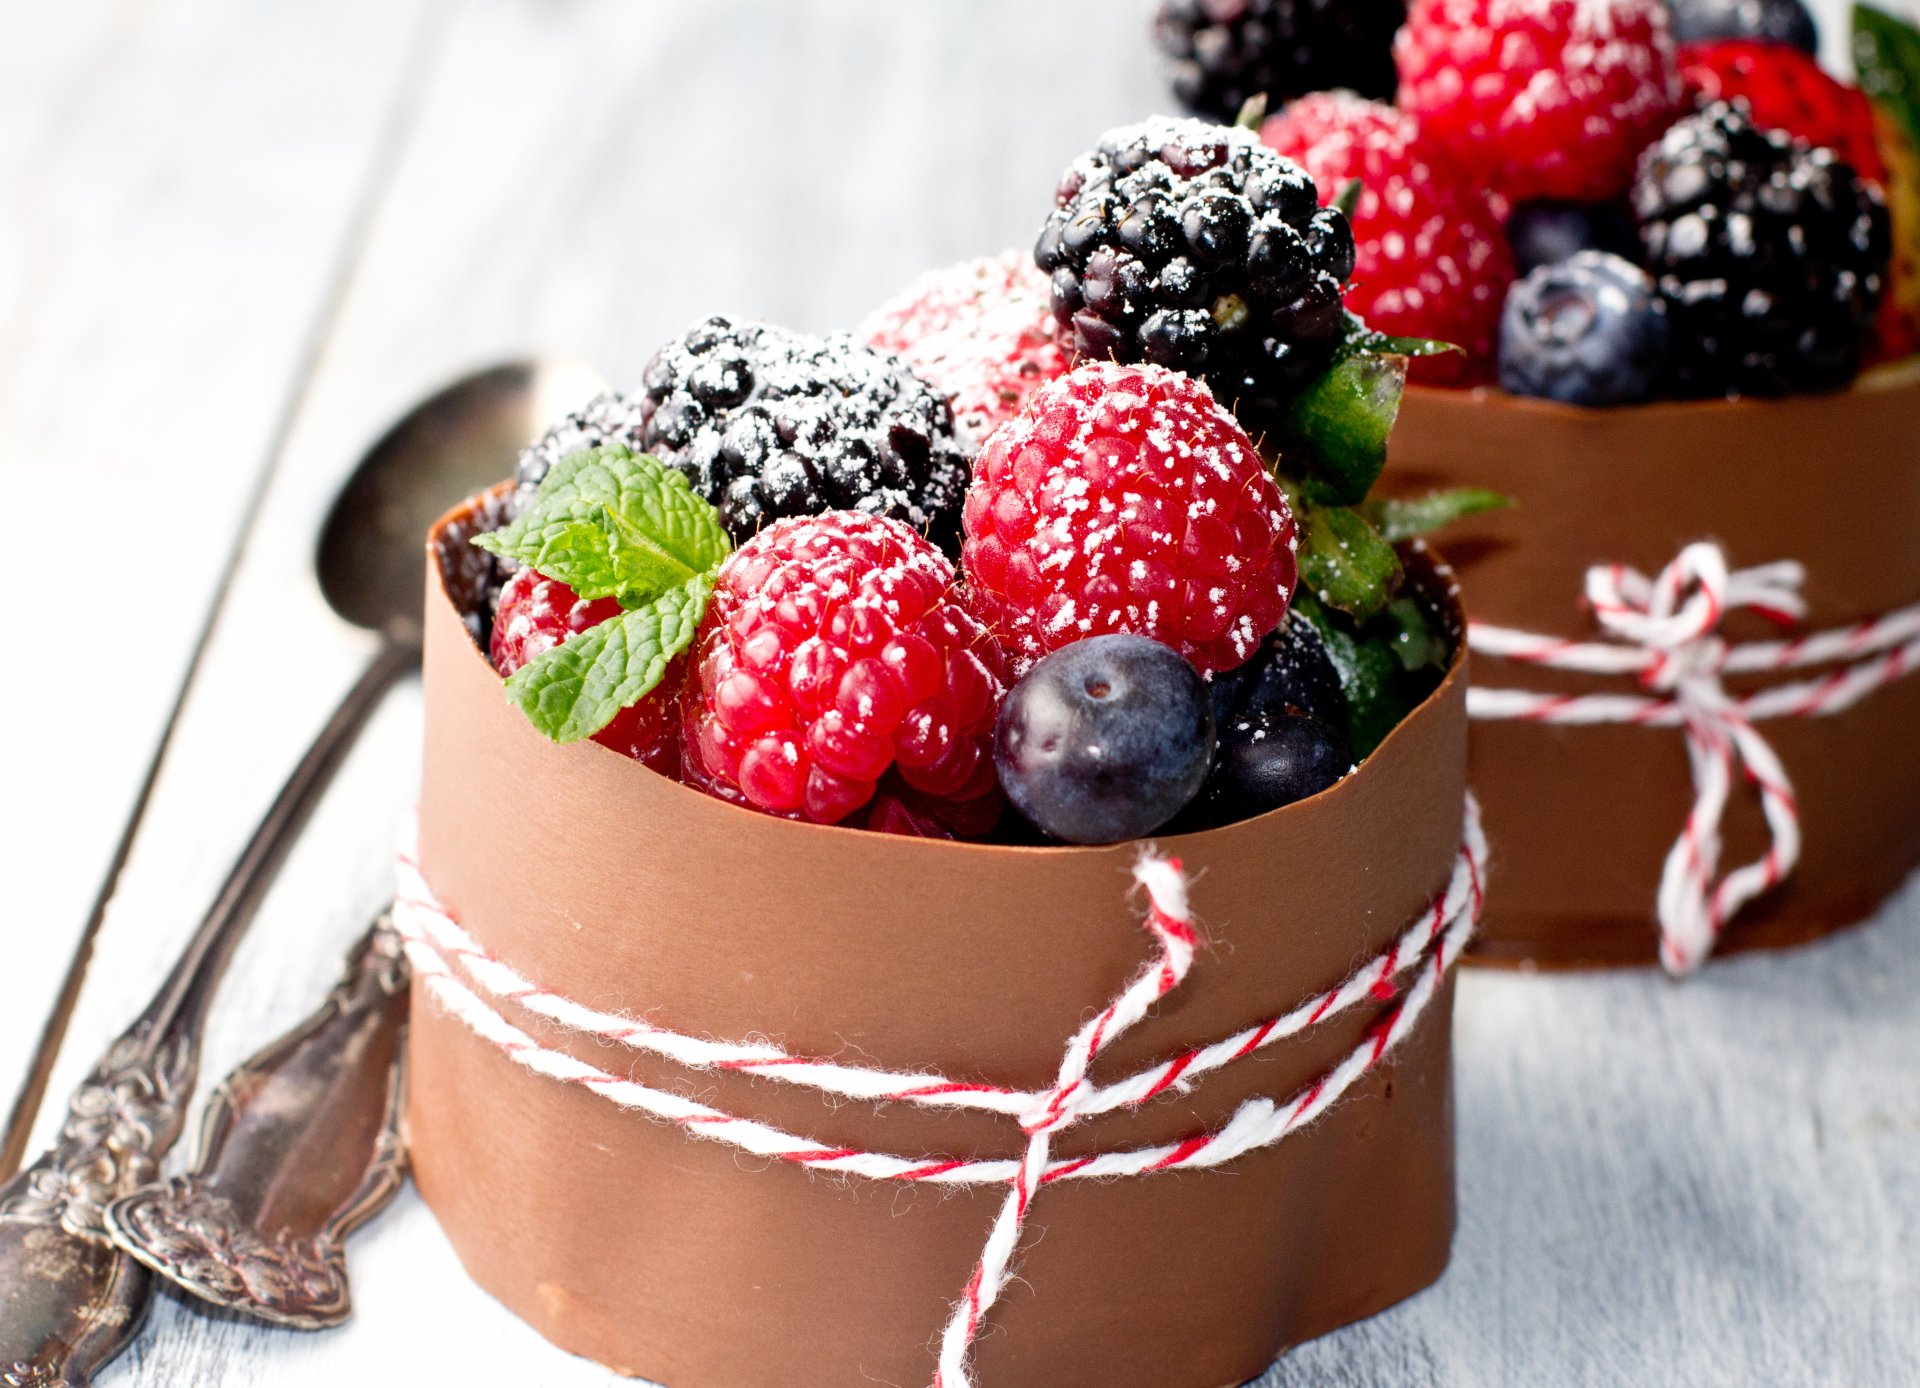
{"x":178,"y":188}
{"x":1716,"y":1184}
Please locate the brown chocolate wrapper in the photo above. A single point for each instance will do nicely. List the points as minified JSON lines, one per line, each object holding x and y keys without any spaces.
{"x":1580,"y":819}
{"x":685,"y":1261}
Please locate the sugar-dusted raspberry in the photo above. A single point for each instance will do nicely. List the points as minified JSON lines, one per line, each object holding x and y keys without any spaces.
{"x":1124,"y":499}
{"x":1431,"y":257}
{"x":836,"y":650}
{"x":537,"y":613}
{"x":1786,"y":89}
{"x":981,"y":331}
{"x":1542,"y":98}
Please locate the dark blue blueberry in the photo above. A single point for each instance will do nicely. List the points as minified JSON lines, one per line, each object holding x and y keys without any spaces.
{"x":1291,"y":670}
{"x":1268,"y":761}
{"x":1546,"y":233}
{"x":1106,"y":739}
{"x":1777,"y":21}
{"x":1590,"y":331}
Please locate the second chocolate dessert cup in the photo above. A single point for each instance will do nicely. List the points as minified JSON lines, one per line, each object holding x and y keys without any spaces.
{"x":1581,"y":818}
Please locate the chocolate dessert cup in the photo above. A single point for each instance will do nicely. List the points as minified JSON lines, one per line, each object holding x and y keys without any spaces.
{"x":1581,"y":818}
{"x":687,"y":1262}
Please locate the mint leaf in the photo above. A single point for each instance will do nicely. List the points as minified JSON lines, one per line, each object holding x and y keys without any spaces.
{"x":1886,"y":56}
{"x":1404,"y":519}
{"x":611,"y":523}
{"x":1345,"y":562}
{"x":1357,"y":339}
{"x":1335,"y":432}
{"x":578,"y":687}
{"x":1382,"y":688}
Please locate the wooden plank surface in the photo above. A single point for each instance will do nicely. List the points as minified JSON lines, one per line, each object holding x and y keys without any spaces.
{"x":173,"y":224}
{"x":1715,"y":1185}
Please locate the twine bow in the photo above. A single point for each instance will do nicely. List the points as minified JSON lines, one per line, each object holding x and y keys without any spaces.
{"x":1665,"y":633}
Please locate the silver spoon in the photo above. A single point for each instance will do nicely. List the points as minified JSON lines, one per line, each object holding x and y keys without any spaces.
{"x":69,"y":1298}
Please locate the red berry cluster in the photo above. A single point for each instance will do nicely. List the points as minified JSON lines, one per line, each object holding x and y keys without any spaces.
{"x":1543,"y":111}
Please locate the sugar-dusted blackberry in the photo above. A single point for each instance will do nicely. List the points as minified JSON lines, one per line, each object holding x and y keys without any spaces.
{"x":607,"y":420}
{"x":1772,"y":256}
{"x":1195,"y":247}
{"x":1220,"y":52}
{"x":769,"y":423}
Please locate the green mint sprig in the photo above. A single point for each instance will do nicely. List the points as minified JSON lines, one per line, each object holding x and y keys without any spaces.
{"x":611,"y":523}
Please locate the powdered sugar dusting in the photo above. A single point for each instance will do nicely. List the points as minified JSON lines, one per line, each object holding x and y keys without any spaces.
{"x":1126,"y":500}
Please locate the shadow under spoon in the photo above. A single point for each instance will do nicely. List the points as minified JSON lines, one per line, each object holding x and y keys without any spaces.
{"x":70,"y":1299}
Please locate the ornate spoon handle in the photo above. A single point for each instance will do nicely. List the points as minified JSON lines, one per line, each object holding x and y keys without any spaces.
{"x":69,"y":1299}
{"x":299,"y":1146}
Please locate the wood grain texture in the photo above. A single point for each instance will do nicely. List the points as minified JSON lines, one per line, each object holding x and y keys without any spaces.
{"x":173,"y":221}
{"x":1716,"y":1184}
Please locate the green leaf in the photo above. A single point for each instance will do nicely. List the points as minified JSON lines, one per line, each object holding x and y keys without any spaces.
{"x":1348,"y":198}
{"x":1358,"y":339}
{"x":1404,"y":519}
{"x":1345,"y":562}
{"x":578,"y":687}
{"x":1335,"y":433}
{"x":609,"y":522}
{"x":1373,"y":667}
{"x":1886,"y":57}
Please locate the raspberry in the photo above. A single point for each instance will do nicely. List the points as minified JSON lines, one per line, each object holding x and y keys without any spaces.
{"x":897,"y":808}
{"x":1786,"y":90}
{"x":1194,"y":246}
{"x":1125,"y":500}
{"x":1541,"y":98}
{"x":1431,"y":258}
{"x":537,"y":613}
{"x":835,"y":651}
{"x":1220,"y":52}
{"x":981,"y":331}
{"x":1772,"y":256}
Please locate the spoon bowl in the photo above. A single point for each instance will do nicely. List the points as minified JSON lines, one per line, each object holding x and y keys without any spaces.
{"x":370,"y":561}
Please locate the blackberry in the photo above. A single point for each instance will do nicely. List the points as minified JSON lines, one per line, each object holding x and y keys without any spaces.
{"x":1220,"y":52}
{"x":1775,"y":21}
{"x":610,"y":419}
{"x":1591,"y":330}
{"x":1195,"y":247}
{"x":767,"y":423}
{"x":1772,"y":256}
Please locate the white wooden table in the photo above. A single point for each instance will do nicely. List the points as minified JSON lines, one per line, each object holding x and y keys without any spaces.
{"x":236,"y":236}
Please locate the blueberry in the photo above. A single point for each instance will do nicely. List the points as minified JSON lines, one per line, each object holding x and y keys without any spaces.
{"x":1290,"y":670}
{"x":1776,"y":21}
{"x":1590,"y":331}
{"x":1271,"y":760}
{"x":1546,"y":233}
{"x":1106,"y":739}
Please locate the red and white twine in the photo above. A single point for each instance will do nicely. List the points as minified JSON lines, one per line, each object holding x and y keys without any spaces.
{"x":1665,"y":634}
{"x":470,"y":984}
